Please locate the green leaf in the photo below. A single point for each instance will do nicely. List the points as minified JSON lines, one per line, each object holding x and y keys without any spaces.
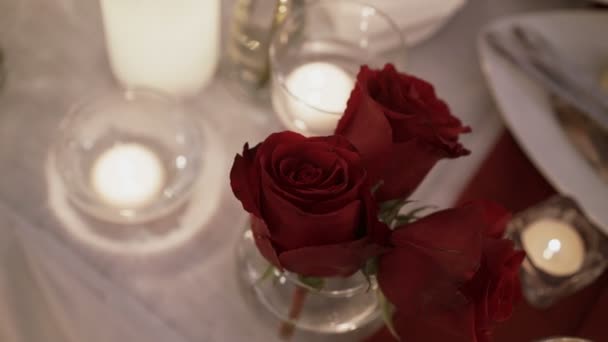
{"x":389,"y":210}
{"x":369,"y":270}
{"x":404,"y":219}
{"x":394,"y":204}
{"x":401,"y":220}
{"x":313,"y":282}
{"x":270,"y":270}
{"x":416,"y":211}
{"x":388,"y":310}
{"x":371,"y":267}
{"x":377,"y":186}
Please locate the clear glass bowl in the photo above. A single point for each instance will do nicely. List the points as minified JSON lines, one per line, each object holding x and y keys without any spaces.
{"x":343,"y":306}
{"x":336,"y":37}
{"x":128,"y":156}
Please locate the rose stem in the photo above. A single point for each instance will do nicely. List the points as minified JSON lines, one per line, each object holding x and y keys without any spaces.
{"x":287,"y":328}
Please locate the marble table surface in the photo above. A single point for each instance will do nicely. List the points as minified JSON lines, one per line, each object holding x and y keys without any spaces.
{"x":55,"y":55}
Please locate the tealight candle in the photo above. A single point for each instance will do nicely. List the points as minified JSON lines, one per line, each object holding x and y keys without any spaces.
{"x":127,"y":176}
{"x":554,"y":246}
{"x":320,"y":91}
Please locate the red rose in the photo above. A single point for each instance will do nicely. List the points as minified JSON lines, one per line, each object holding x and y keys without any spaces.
{"x":401,"y":129}
{"x":495,"y":288}
{"x":311,"y":204}
{"x":430,"y":260}
{"x":446,"y":309}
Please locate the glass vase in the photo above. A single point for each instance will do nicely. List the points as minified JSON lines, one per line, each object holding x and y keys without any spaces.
{"x":336,"y":308}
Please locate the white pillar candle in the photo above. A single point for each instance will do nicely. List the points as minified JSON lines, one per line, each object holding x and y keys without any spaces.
{"x":320,"y":92}
{"x":171,"y":45}
{"x":127,"y":176}
{"x":554,"y":247}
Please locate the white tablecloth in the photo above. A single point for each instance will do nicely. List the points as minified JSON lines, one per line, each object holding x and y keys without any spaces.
{"x":56,"y":56}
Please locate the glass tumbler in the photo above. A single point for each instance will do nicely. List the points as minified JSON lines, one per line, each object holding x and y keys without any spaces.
{"x":315,"y":56}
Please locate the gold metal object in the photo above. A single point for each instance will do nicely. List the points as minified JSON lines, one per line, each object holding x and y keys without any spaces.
{"x":253,"y":24}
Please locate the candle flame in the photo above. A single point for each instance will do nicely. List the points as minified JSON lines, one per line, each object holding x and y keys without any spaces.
{"x":553,"y":247}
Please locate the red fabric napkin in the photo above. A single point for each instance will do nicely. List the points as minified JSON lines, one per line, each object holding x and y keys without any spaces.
{"x":508,"y":177}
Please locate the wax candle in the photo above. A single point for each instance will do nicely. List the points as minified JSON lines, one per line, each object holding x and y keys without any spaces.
{"x":319,"y":94}
{"x":554,"y":246}
{"x":127,"y":176}
{"x":163,"y":44}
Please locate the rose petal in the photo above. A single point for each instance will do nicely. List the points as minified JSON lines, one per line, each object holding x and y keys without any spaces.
{"x":312,"y":201}
{"x":261,"y":236}
{"x":365,"y":125}
{"x":452,"y":326}
{"x":410,"y":163}
{"x":330,"y":260}
{"x":415,"y":282}
{"x":452,"y":238}
{"x":292,"y":227}
{"x":496,"y":217}
{"x":500,"y":256}
{"x":244,"y":180}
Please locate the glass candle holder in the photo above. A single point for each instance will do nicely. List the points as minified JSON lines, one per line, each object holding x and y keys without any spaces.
{"x":315,"y":56}
{"x":128,"y":157}
{"x":565,"y":251}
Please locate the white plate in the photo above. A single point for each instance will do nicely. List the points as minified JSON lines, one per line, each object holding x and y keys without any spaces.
{"x":419,"y":20}
{"x":581,"y":35}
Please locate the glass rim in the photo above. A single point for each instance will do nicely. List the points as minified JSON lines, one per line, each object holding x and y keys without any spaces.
{"x":319,"y":3}
{"x":171,"y":196}
{"x":334,"y":293}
